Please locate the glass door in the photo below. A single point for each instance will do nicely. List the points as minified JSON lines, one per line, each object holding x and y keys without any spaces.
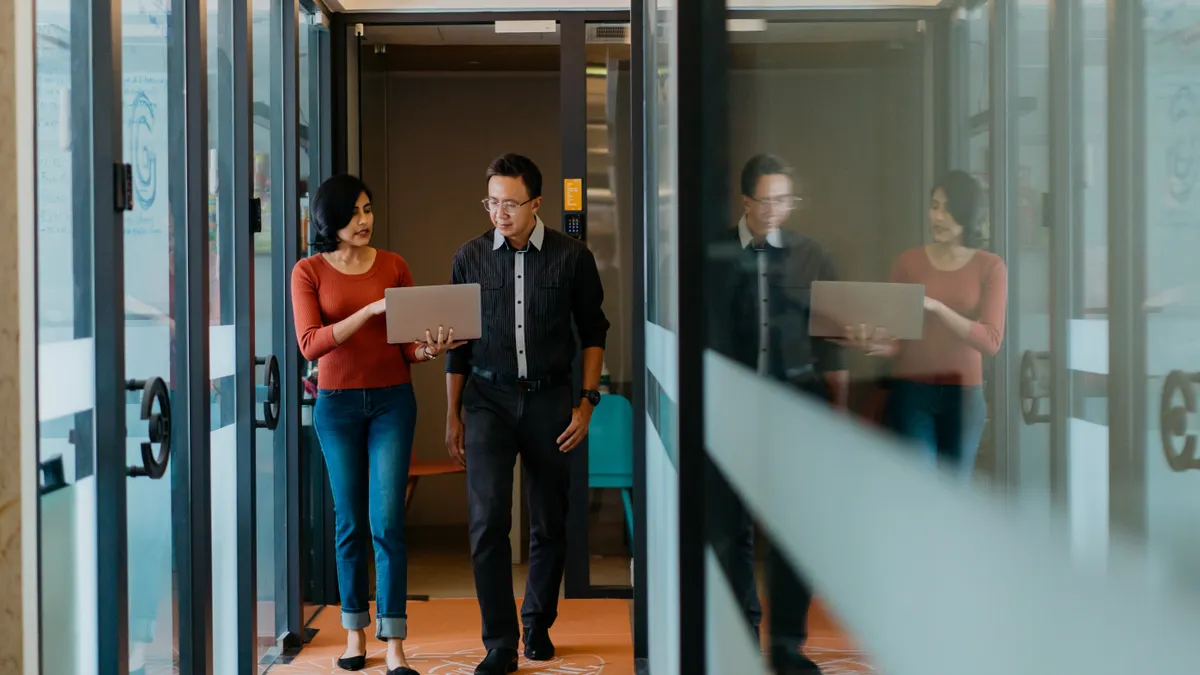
{"x":123,"y":392}
{"x":1164,"y":350}
{"x":156,"y":324}
{"x":66,"y":336}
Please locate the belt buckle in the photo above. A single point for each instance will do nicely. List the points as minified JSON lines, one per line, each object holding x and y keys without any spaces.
{"x":527,"y":386}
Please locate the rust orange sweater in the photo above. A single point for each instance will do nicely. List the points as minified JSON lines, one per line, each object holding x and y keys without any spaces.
{"x":323,"y":296}
{"x":977,"y":291}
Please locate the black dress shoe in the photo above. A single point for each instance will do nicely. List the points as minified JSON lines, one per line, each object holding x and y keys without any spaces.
{"x":353,"y":662}
{"x":498,"y":662}
{"x":538,"y":646}
{"x":403,"y":670}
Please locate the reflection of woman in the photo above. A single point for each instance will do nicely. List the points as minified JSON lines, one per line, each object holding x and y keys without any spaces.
{"x":936,"y":394}
{"x":365,"y":411}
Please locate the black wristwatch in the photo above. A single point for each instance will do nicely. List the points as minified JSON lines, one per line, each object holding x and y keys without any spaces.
{"x":592,"y":396}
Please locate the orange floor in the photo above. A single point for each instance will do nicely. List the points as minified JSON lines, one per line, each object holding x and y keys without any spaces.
{"x":592,"y":637}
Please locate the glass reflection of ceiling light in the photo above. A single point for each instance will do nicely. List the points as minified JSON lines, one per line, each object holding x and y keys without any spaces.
{"x":746,"y":25}
{"x":597,"y":71}
{"x":550,"y":26}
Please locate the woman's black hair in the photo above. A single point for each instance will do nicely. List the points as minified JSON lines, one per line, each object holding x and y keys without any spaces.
{"x":963,"y":197}
{"x":333,"y":208}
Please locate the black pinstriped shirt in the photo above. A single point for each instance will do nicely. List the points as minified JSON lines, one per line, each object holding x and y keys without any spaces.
{"x":529,"y":299}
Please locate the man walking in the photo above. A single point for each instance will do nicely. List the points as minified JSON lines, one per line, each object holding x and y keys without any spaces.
{"x":770,"y":271}
{"x":511,"y":393}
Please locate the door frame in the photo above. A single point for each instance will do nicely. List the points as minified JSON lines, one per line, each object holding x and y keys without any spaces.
{"x":572,"y":80}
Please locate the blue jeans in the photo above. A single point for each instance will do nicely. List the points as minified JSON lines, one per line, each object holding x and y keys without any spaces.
{"x":366,"y":436}
{"x":946,"y":419}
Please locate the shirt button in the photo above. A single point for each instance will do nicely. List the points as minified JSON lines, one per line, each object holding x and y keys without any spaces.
{"x":518,"y":302}
{"x":521,"y":352}
{"x":520,"y":326}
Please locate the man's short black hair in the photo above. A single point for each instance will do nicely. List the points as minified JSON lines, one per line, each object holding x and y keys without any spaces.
{"x":333,"y":208}
{"x":511,"y":165}
{"x":762,"y":165}
{"x":964,"y":203}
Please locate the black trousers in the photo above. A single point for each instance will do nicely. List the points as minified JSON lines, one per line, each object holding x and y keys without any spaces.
{"x":500,"y":424}
{"x":731,"y":532}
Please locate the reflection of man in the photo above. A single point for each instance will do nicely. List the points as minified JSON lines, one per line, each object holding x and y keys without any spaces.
{"x":511,"y":392}
{"x":769,"y":282}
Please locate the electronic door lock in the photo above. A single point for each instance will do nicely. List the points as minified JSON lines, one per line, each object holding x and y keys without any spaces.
{"x":575,"y":225}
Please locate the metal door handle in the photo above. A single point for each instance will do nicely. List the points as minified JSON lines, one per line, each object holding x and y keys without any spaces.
{"x":270,"y":418}
{"x":1174,"y":420}
{"x":159,"y":426}
{"x":1034,"y":387}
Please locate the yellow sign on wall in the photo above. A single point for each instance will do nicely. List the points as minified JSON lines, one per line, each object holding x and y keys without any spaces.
{"x":573,"y":194}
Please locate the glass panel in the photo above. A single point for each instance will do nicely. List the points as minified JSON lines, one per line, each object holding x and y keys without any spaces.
{"x":1172,"y":303}
{"x":662,"y":476}
{"x":66,"y":365}
{"x":1030,"y":330}
{"x":610,"y":238}
{"x":266,"y":115}
{"x":153,"y":99}
{"x":827,"y":184}
{"x":223,"y":363}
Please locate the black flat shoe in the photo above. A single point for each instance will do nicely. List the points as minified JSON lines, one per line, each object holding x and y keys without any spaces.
{"x":498,"y":662}
{"x":403,"y":670}
{"x":353,"y":663}
{"x":538,"y":646}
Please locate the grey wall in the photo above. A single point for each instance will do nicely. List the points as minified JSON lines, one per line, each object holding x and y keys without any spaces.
{"x":427,"y":141}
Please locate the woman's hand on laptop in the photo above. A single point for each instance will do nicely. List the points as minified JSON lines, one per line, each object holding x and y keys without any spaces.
{"x":435,"y":345}
{"x":375,"y":308}
{"x":871,"y":340}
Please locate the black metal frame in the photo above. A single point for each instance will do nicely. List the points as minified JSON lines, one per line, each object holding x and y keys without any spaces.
{"x":235,"y":158}
{"x":702,"y":147}
{"x":1003,"y":177}
{"x":191,"y":491}
{"x":1127,"y":339}
{"x":637,"y":127}
{"x":100,"y":30}
{"x":1066,"y":220}
{"x":285,"y":250}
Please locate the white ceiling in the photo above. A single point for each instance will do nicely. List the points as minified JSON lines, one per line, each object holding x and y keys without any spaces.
{"x":582,"y":5}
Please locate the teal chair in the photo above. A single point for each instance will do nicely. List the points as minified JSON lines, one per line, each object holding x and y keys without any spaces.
{"x":610,"y":451}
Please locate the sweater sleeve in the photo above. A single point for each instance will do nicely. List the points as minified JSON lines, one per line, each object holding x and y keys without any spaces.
{"x":405,"y":274}
{"x":987,"y":333}
{"x":313,"y":336}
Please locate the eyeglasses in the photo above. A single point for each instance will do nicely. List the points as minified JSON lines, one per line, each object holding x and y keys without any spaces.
{"x":510,"y":207}
{"x":789,"y":203}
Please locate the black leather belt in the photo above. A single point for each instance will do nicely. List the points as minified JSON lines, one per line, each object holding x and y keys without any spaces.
{"x":520,"y":383}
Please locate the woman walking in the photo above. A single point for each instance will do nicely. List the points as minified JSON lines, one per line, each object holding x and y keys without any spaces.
{"x":365,"y":412}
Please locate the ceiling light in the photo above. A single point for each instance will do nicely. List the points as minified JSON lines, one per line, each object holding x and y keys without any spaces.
{"x":746,"y":25}
{"x":550,"y":26}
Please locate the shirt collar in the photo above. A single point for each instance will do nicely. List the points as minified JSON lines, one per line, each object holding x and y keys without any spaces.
{"x":535,"y":239}
{"x":774,"y":237}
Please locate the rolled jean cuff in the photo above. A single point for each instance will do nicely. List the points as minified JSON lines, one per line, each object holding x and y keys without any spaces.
{"x":355,"y":620}
{"x":391,"y":627}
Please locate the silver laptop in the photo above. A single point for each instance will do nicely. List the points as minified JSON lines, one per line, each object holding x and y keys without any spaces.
{"x":899,"y":309}
{"x":414,"y":309}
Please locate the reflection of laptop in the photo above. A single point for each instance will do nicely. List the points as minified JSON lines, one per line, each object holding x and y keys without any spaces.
{"x":414,"y":309}
{"x":899,"y":309}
